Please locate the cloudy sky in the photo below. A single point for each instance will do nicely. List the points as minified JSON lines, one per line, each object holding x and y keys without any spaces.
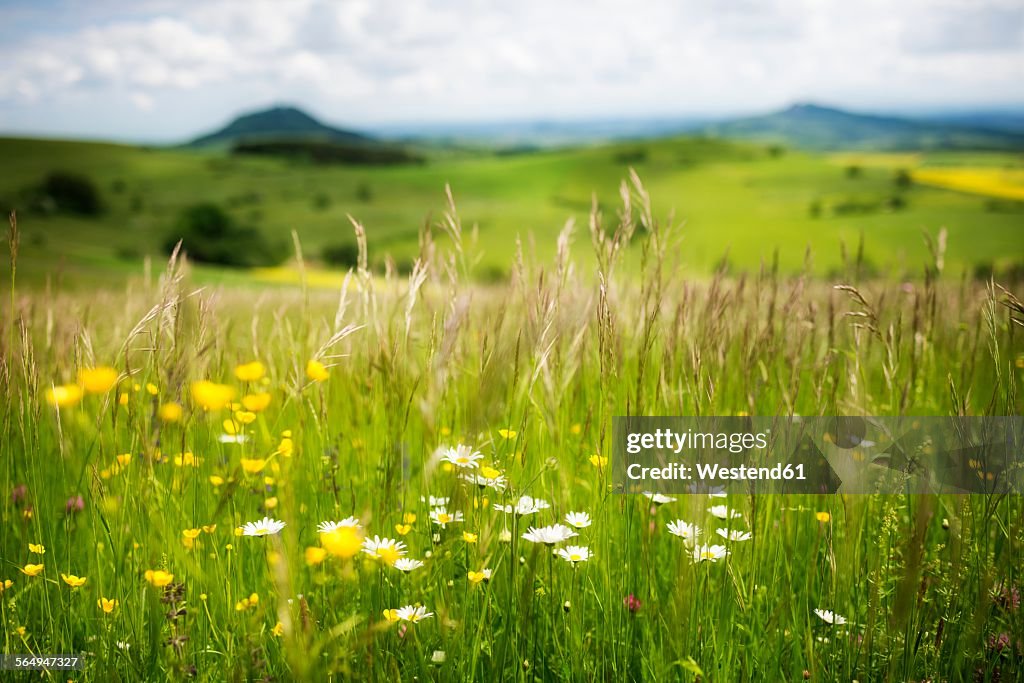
{"x":162,"y":70}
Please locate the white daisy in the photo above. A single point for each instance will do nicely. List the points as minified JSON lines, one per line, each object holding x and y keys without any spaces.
{"x":351,"y":522}
{"x":574,"y":553}
{"x":434,"y":502}
{"x":658,"y":498}
{"x":717,"y":494}
{"x":724,"y":512}
{"x":580,"y":520}
{"x":556,"y":533}
{"x":709,"y":553}
{"x":684,"y":530}
{"x":387,"y":549}
{"x":524,"y":506}
{"x":829,"y":617}
{"x":413,"y":614}
{"x":232,"y":438}
{"x":733,"y":534}
{"x":407,"y":564}
{"x":462,"y":456}
{"x":498,"y":483}
{"x":443,"y":518}
{"x":264,"y":527}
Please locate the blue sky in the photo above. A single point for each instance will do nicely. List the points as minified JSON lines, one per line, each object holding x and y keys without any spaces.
{"x":160,"y":71}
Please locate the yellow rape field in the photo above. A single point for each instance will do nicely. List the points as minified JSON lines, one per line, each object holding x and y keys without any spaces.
{"x":1007,"y":183}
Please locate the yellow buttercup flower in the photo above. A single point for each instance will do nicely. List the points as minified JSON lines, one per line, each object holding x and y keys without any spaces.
{"x":37,"y":548}
{"x":278,"y":629}
{"x":576,"y":428}
{"x":316,"y":371}
{"x":598,"y":461}
{"x":73,"y":581}
{"x":508,"y":433}
{"x":256,"y":402}
{"x":32,"y":569}
{"x":250,"y":372}
{"x":477,"y":577}
{"x":270,"y":503}
{"x":191,"y":533}
{"x":468,"y":537}
{"x":286,"y":447}
{"x":64,"y":395}
{"x":211,"y":395}
{"x":315,"y":555}
{"x":822,"y":517}
{"x":391,"y":615}
{"x":246,"y":603}
{"x":97,"y":380}
{"x":209,"y":528}
{"x":253,"y":465}
{"x":122,"y":398}
{"x":152,"y":389}
{"x":186,"y":459}
{"x":216,"y":480}
{"x":158,"y":577}
{"x":170,"y":412}
{"x":5,"y":584}
{"x":124,"y":459}
{"x":403,"y":529}
{"x":106,"y":605}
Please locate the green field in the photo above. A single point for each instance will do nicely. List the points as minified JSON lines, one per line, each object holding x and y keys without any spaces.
{"x":150,"y":414}
{"x":738,"y":202}
{"x":137,"y":491}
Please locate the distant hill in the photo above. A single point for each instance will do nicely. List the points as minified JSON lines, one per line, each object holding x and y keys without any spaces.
{"x":278,"y":123}
{"x":291,"y":133}
{"x":816,"y":127}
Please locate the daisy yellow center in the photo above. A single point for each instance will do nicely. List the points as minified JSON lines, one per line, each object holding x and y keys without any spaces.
{"x":708,"y":555}
{"x":462,"y":460}
{"x":444,"y":518}
{"x":575,"y":557}
{"x":389,"y":554}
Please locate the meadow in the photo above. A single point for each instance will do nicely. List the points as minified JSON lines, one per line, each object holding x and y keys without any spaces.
{"x":226,"y":482}
{"x":740,"y":203}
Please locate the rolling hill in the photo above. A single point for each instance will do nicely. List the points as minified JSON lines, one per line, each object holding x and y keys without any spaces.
{"x":812,"y":126}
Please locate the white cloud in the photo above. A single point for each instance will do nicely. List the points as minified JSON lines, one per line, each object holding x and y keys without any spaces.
{"x":419,"y":59}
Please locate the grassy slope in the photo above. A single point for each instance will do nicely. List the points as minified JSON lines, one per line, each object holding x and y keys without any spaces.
{"x":734,"y":197}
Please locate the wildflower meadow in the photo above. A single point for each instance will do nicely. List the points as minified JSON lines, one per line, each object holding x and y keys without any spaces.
{"x":409,"y":477}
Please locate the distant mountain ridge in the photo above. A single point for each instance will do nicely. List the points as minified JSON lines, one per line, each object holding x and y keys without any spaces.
{"x":806,"y":125}
{"x":278,"y":123}
{"x":814,"y":126}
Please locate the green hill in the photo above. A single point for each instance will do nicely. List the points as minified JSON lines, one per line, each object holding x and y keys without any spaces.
{"x":278,"y":123}
{"x":745,"y":200}
{"x":812,"y":126}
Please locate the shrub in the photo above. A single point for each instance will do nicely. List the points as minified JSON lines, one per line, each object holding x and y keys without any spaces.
{"x":210,"y":235}
{"x":342,"y":255}
{"x":71,"y":193}
{"x":902,"y":179}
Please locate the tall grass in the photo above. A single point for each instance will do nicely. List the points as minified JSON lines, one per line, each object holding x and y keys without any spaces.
{"x":928,"y":584}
